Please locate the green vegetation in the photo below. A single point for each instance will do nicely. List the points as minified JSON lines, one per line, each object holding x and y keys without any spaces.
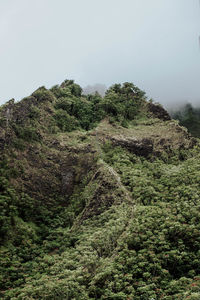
{"x":122,"y":103}
{"x":28,"y":134}
{"x":85,"y":213}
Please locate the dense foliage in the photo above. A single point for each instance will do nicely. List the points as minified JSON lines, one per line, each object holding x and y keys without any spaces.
{"x":121,"y":103}
{"x":147,"y":248}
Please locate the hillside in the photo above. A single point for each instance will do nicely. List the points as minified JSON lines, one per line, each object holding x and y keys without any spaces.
{"x":99,"y":198}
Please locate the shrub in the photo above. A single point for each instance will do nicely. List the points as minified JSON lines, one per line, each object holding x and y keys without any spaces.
{"x":43,"y":95}
{"x":28,"y":134}
{"x":64,"y":121}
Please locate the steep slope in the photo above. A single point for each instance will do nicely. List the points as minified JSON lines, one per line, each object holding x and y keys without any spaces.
{"x":99,"y":198}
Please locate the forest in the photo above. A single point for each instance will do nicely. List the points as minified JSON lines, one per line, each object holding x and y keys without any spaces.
{"x":189,"y":117}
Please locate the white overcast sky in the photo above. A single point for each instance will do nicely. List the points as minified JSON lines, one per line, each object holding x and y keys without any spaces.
{"x":152,"y":43}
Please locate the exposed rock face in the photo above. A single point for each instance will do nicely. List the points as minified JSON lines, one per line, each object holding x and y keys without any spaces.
{"x":2,"y":140}
{"x":73,"y":169}
{"x":105,"y":189}
{"x":100,"y":199}
{"x":158,"y":112}
{"x":142,"y":147}
{"x":168,"y":137}
{"x":68,"y":181}
{"x":55,"y":172}
{"x":18,"y":112}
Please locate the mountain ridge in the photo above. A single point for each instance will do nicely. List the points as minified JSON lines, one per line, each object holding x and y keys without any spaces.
{"x":84,"y":179}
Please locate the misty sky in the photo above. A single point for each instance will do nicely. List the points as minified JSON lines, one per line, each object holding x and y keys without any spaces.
{"x":152,"y":43}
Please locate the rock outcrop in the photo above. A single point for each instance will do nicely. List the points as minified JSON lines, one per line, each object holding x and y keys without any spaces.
{"x":158,"y":111}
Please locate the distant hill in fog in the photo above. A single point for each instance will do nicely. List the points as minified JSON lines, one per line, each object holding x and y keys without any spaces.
{"x":92,"y":89}
{"x":188,"y":116}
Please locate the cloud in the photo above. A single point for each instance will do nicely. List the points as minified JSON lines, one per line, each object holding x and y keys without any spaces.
{"x":92,"y":89}
{"x":153,"y":44}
